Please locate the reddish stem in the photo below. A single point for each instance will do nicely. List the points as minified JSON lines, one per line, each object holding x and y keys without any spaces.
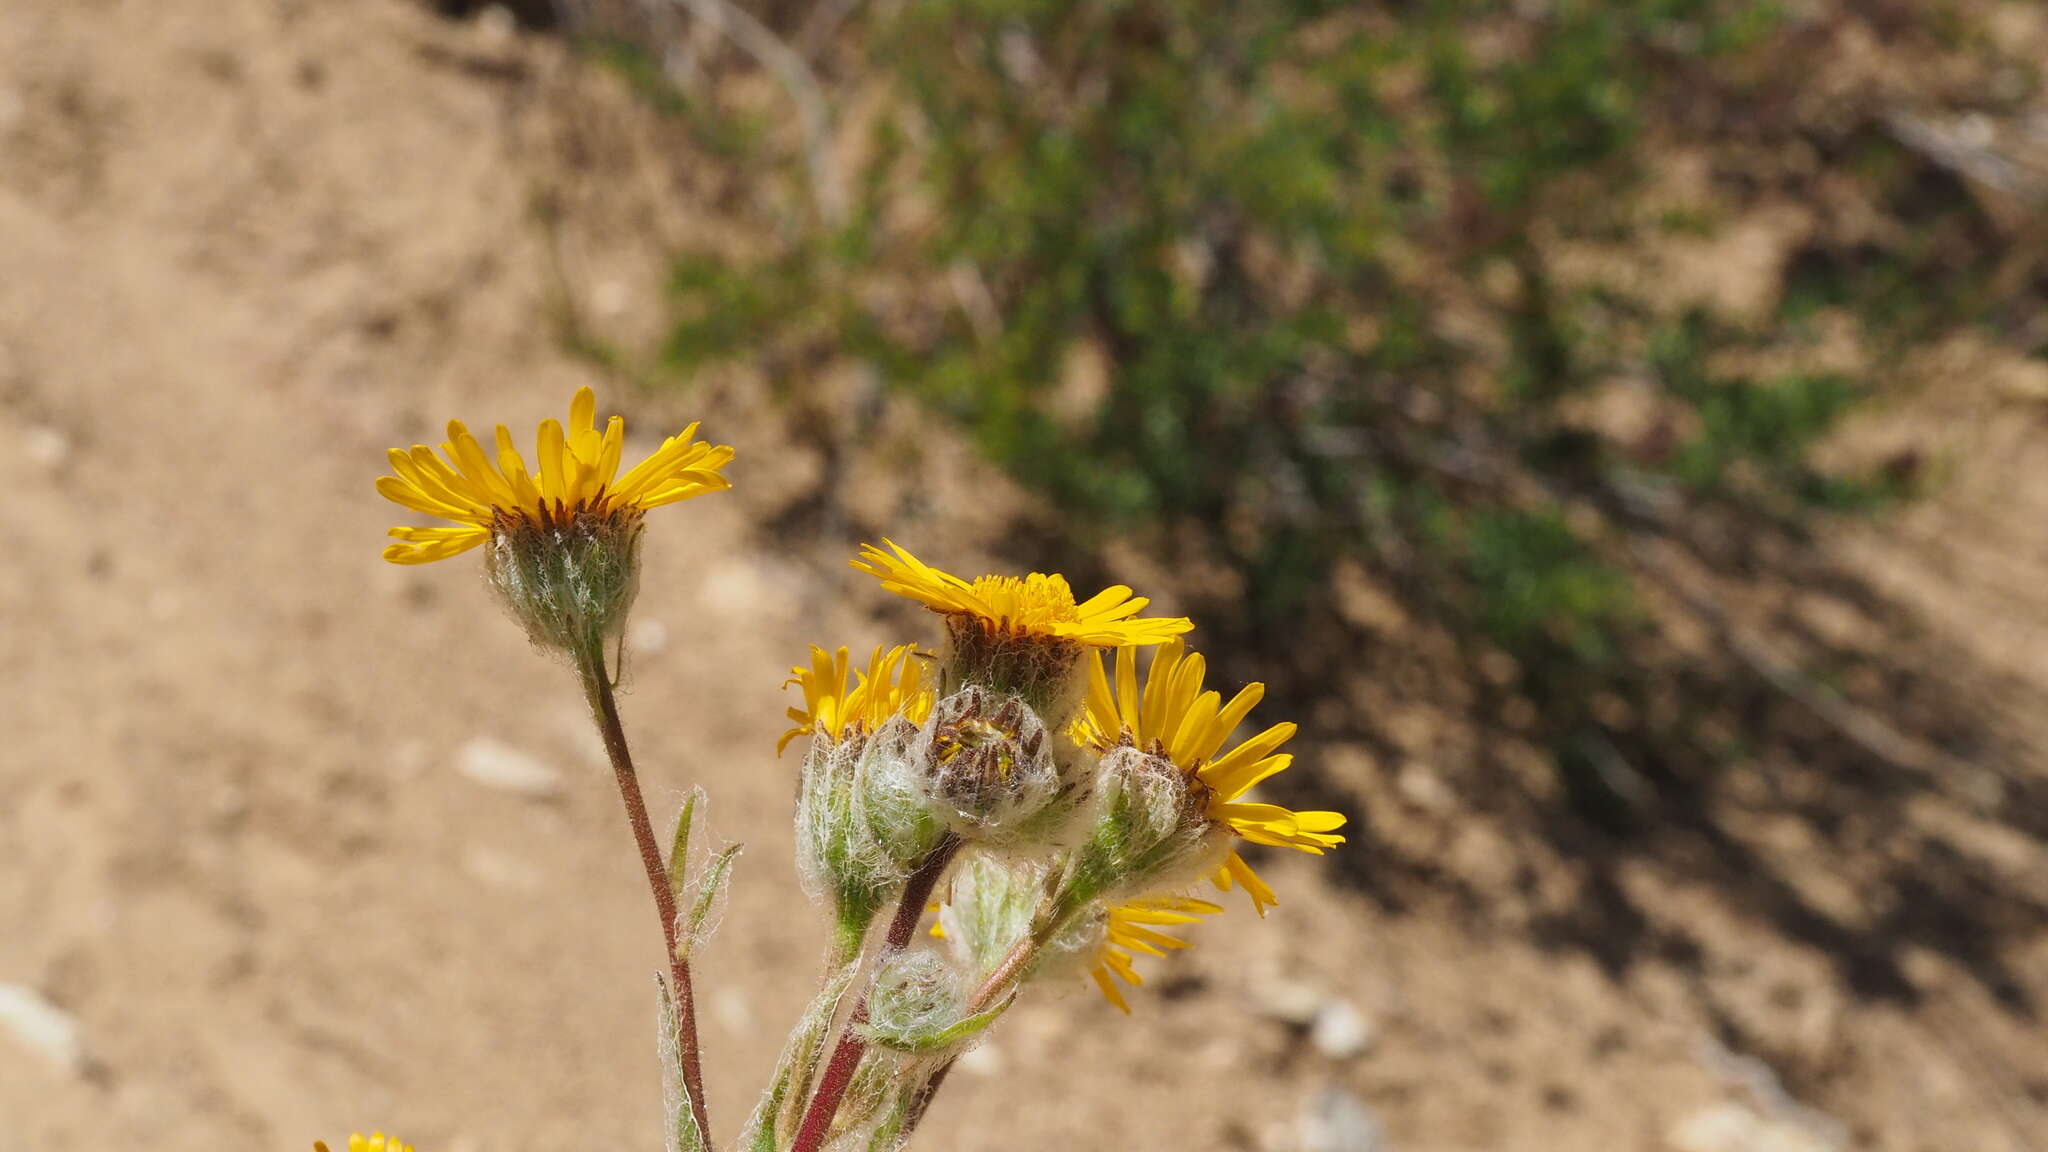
{"x":1007,"y":970}
{"x":599,"y":686}
{"x":838,"y":1076}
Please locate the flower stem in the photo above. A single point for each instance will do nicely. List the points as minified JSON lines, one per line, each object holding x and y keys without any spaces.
{"x":604,"y":708}
{"x":838,"y":1075}
{"x":1013,"y":965}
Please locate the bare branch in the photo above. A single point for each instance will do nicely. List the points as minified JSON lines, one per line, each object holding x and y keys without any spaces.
{"x":794,"y":73}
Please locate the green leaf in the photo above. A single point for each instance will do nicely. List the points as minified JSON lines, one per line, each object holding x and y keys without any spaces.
{"x":923,"y":1040}
{"x":679,"y":847}
{"x":691,"y":932}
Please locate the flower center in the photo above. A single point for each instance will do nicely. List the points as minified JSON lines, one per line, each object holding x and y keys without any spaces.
{"x":1019,"y":605}
{"x":559,"y":513}
{"x":985,"y":740}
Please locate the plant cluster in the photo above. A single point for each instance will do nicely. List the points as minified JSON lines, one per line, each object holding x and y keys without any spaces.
{"x":1053,"y":806}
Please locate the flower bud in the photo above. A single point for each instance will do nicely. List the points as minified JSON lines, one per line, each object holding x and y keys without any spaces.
{"x":568,"y":581}
{"x":919,"y":1005}
{"x":1151,"y":830}
{"x":986,"y":768}
{"x":862,"y":824}
{"x":991,"y":906}
{"x":889,"y":804}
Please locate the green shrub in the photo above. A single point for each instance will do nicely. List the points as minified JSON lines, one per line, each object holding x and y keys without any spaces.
{"x":1312,"y":242}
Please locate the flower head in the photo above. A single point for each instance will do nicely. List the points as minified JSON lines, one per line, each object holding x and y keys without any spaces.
{"x":1020,"y":635}
{"x":491,"y":492}
{"x":374,"y":1142}
{"x":985,"y":766}
{"x":1170,"y":715}
{"x":895,"y":683}
{"x":564,"y":544}
{"x":1130,"y":929}
{"x":861,"y":819}
{"x":1034,"y":605}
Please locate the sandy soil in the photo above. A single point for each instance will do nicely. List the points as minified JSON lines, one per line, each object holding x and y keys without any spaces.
{"x":247,"y":250}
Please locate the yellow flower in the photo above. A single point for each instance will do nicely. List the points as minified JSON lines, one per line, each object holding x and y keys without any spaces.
{"x":375,"y":1142}
{"x":1128,"y":933}
{"x":485,"y":492}
{"x":894,"y":684}
{"x":1035,"y":605}
{"x":1172,"y":716}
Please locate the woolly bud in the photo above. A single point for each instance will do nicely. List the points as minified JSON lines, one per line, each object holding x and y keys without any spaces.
{"x":1151,"y":831}
{"x":570,"y":580}
{"x":862,"y":824}
{"x":918,"y":1005}
{"x":986,"y":767}
{"x":889,"y":797}
{"x":990,"y":907}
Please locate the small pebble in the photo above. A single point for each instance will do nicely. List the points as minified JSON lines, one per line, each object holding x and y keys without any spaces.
{"x":41,"y":1027}
{"x":1340,"y":1031}
{"x":46,"y":447}
{"x":1729,"y":1127}
{"x":1334,"y":1120}
{"x":497,"y":28}
{"x":1288,"y":1001}
{"x":647,"y":636}
{"x":501,"y":766}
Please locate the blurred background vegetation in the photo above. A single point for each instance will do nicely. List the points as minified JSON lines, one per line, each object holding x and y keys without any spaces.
{"x":1447,"y":297}
{"x":1617,"y":432}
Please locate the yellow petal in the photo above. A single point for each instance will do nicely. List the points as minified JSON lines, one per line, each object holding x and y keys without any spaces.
{"x":1110,"y":991}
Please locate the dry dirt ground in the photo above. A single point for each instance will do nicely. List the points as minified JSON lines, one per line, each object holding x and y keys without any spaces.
{"x":248,"y":245}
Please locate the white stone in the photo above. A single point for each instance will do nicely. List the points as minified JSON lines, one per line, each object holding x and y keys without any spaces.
{"x":1334,"y":1120}
{"x":647,"y":636}
{"x":41,"y":1027}
{"x":46,"y":446}
{"x":1285,"y":1000}
{"x":1339,"y":1030}
{"x":1730,"y":1127}
{"x":501,"y":766}
{"x":497,"y":27}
